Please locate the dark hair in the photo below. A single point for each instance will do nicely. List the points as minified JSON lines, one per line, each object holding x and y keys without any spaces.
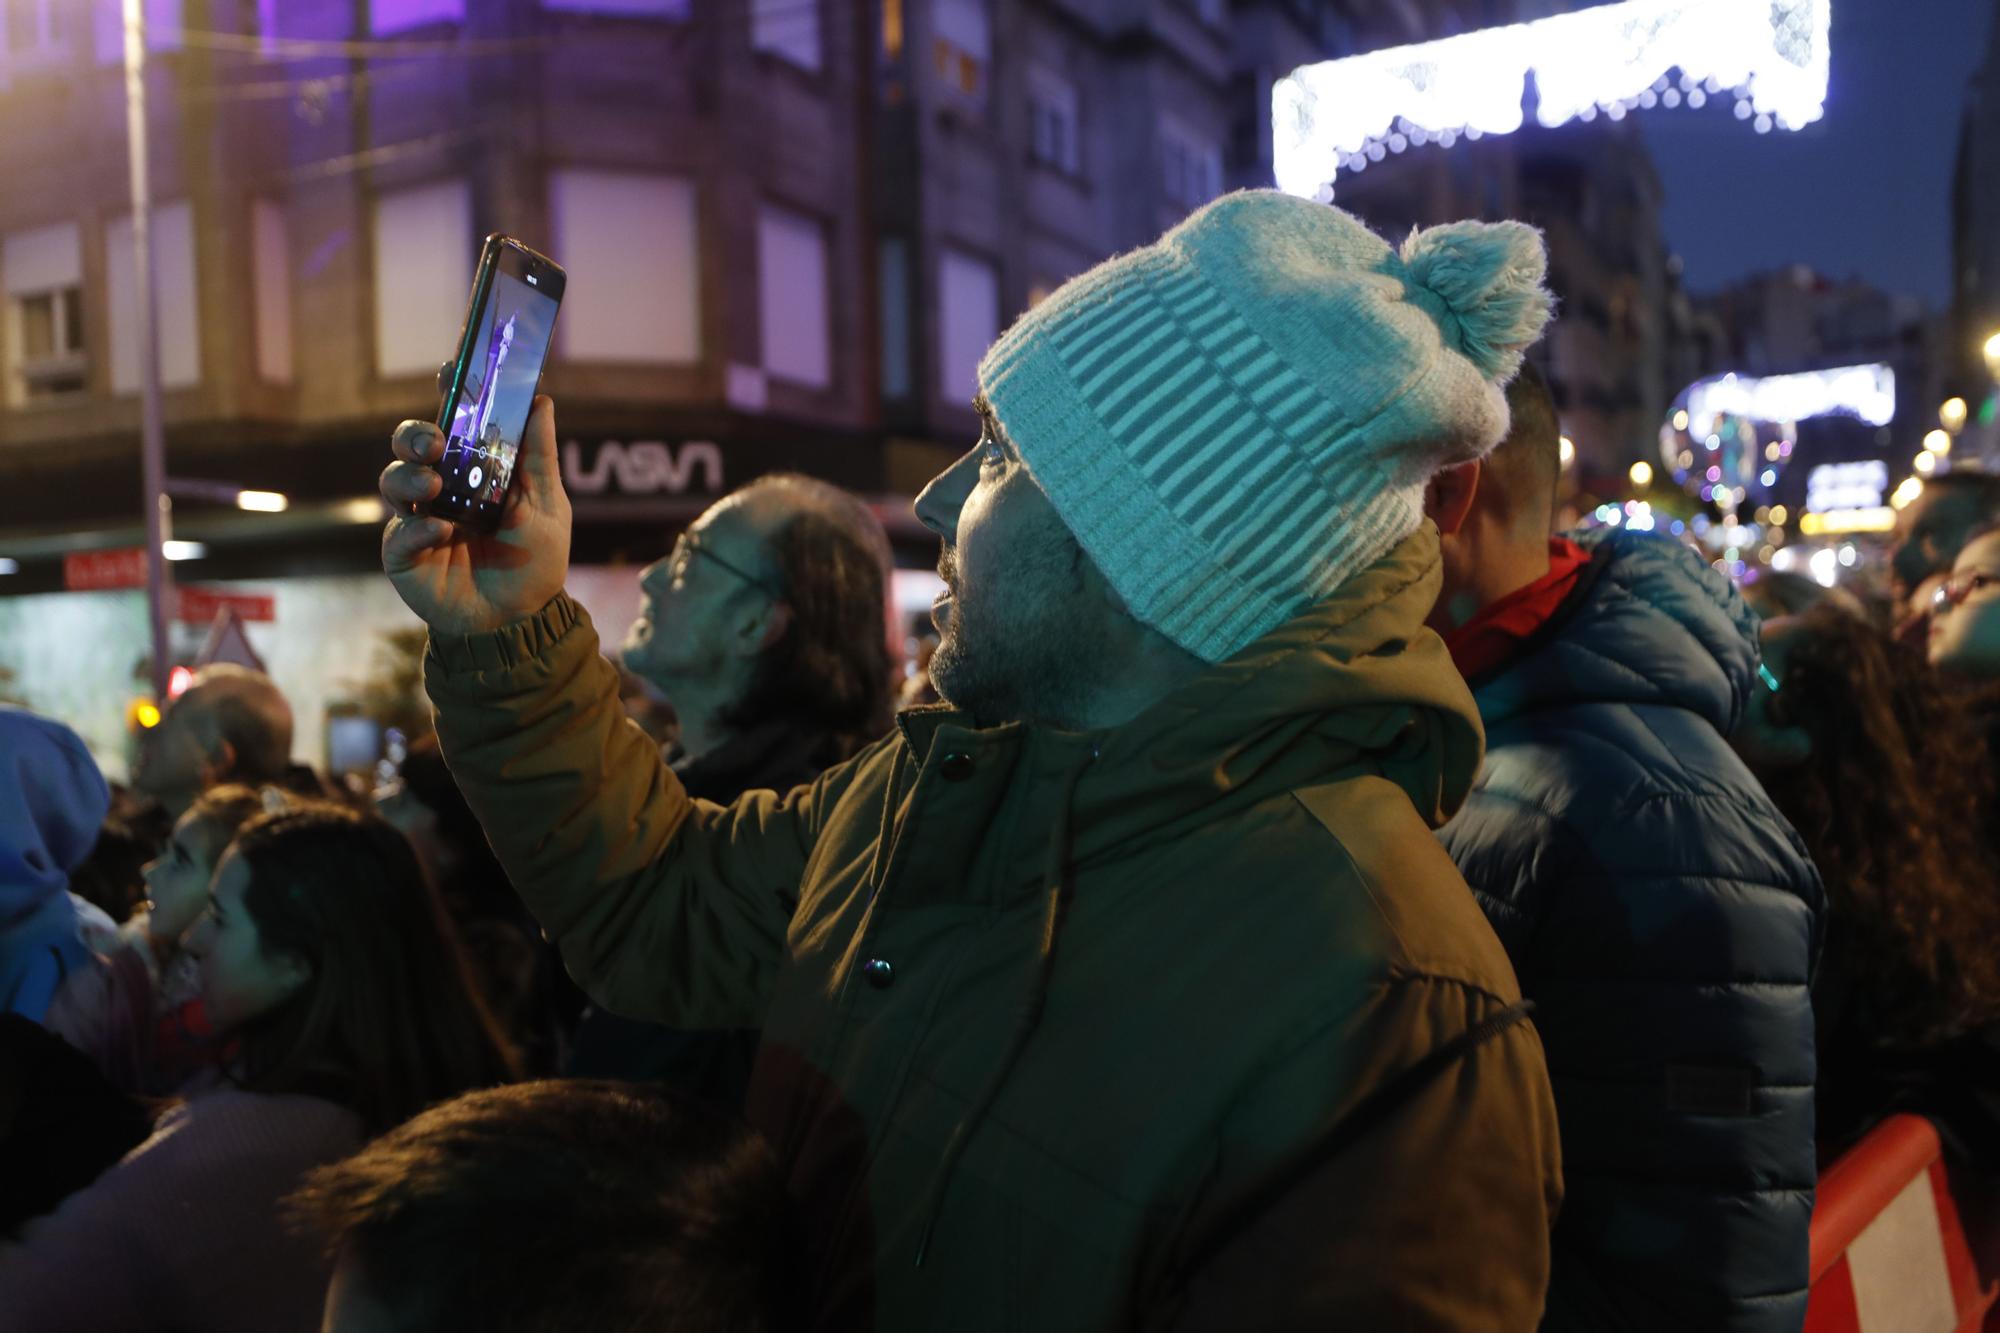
{"x":1892,"y":805}
{"x":831,"y":667}
{"x":1778,"y":592}
{"x":250,"y":713}
{"x":389,"y":1021}
{"x":566,"y":1204}
{"x":1519,"y":479}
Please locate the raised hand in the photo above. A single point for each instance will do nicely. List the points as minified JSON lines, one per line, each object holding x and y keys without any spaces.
{"x":460,"y":581}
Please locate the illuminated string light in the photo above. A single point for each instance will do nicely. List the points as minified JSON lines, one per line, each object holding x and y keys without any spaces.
{"x":1867,"y":392}
{"x":1610,"y":58}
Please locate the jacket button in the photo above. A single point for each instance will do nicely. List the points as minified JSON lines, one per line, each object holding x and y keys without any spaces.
{"x":880,"y":975}
{"x":956,"y":766}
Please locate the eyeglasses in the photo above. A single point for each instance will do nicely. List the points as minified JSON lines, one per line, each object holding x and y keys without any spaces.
{"x":1956,"y":589}
{"x":687,"y":548}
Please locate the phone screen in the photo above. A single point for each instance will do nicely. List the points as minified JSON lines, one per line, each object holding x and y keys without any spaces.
{"x":506,"y":344}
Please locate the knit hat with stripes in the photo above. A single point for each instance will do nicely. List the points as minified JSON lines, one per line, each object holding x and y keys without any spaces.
{"x":1239,"y":417}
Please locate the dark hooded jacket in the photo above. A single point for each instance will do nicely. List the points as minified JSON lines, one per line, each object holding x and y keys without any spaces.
{"x":1059,"y":1027}
{"x":1664,"y":918}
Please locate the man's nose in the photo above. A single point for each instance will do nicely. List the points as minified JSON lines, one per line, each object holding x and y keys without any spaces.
{"x":937,"y":507}
{"x":652,"y":576}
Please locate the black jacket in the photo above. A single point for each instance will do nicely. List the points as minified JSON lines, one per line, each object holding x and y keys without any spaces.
{"x":1664,"y":918}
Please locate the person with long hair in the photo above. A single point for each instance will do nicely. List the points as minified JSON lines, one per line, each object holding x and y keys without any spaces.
{"x":329,"y":967}
{"x":1864,"y":751}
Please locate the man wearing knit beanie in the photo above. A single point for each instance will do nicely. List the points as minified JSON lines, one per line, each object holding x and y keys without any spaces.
{"x":1129,"y":985}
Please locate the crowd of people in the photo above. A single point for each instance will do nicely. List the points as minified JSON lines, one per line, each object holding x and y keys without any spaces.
{"x":1319,"y":893}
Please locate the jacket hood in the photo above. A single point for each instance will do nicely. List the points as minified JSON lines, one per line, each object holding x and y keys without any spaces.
{"x":52,"y":804}
{"x":1355,"y":677}
{"x":1649,"y":623}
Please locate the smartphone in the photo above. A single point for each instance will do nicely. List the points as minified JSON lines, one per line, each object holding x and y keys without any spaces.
{"x":492,"y":381}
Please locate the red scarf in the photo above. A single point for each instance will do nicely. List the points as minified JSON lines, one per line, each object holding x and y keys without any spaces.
{"x":1494,"y":635}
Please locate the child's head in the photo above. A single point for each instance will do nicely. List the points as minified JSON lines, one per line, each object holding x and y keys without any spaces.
{"x":177,"y":879}
{"x":326,"y":953}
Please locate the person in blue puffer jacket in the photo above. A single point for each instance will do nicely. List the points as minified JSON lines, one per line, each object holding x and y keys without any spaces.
{"x":52,"y":802}
{"x":1660,"y":912}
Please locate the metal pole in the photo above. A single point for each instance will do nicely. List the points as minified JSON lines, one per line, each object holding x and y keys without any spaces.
{"x":152,"y":429}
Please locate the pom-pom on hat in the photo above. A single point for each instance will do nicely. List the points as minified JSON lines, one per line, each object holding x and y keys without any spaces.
{"x":1239,"y":417}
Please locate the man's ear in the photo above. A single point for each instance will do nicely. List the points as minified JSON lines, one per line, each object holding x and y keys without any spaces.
{"x":769,"y":627}
{"x":1449,"y":495}
{"x":221,"y":760}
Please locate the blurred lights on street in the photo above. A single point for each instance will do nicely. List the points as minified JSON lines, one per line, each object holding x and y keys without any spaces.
{"x":1779,"y":515}
{"x":1937,"y":442}
{"x":1925,"y":464}
{"x":1848,"y":555}
{"x":1879,"y":519}
{"x":1952,"y":415}
{"x":146,"y":715}
{"x":1680,"y":420}
{"x":1864,"y":391}
{"x":1825,"y":566}
{"x":1612,"y":58}
{"x":172,"y":550}
{"x":178,"y":681}
{"x":1784,"y":559}
{"x":263,"y":502}
{"x":1907,"y":492}
{"x":1566,"y":450}
{"x":9,"y":566}
{"x":1641,"y":473}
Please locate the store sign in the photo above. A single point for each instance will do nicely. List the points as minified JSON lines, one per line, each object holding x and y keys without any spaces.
{"x":199,"y":606}
{"x":1840,"y":486}
{"x":97,"y":571}
{"x":644,"y":467}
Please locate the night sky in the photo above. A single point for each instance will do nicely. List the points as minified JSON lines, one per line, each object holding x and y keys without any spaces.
{"x":1864,"y":191}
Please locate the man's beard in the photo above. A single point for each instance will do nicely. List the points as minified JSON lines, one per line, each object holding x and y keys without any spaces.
{"x":1026,"y":645}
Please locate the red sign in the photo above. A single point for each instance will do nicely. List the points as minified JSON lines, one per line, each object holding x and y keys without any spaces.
{"x":95,"y":571}
{"x":198,"y":606}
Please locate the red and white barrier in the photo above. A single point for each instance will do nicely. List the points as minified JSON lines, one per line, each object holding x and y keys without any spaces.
{"x":1888,"y":1252}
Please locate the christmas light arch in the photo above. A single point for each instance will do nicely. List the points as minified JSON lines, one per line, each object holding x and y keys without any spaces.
{"x":1341,"y":115}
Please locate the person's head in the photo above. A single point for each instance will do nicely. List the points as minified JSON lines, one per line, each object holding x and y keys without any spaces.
{"x":231,"y":725}
{"x":53,"y":801}
{"x":1192,"y":443}
{"x":1781,"y":592}
{"x":1494,"y":515}
{"x":1930,"y":532}
{"x":559,"y":1205}
{"x":1863,"y":752}
{"x":774,"y":602}
{"x":326,"y":953}
{"x":1965,"y":619}
{"x":177,"y":879}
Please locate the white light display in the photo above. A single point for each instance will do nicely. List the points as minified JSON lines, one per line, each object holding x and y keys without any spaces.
{"x":1867,"y":392}
{"x":1341,"y":114}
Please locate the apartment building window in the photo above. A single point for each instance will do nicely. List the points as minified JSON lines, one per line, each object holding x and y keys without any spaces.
{"x":1052,"y":120}
{"x":788,"y":29}
{"x":898,"y":341}
{"x":1191,"y":165}
{"x":631,"y":243}
{"x":392,"y":16}
{"x":173,"y":296}
{"x":423,"y":269}
{"x":792,"y":298}
{"x":34,"y":29}
{"x":271,"y":276}
{"x":963,"y":53}
{"x":43,"y":275}
{"x":968,"y":320}
{"x":650,"y":9}
{"x":163,"y":28}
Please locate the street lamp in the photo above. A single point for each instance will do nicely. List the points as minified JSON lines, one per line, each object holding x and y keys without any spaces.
{"x":1641,"y":473}
{"x":1937,"y":442}
{"x":1952,"y":415}
{"x":1926,"y":463}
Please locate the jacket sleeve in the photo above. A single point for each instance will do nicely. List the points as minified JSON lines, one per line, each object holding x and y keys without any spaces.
{"x":1436,"y":1219}
{"x":1669,"y":958}
{"x":665,"y":908}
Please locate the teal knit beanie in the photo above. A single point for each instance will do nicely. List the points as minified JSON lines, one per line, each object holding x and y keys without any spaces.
{"x":1239,"y":417}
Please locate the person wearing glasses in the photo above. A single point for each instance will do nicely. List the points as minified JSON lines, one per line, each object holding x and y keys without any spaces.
{"x":765,"y":628}
{"x":1965,"y":611}
{"x":1661,"y":914}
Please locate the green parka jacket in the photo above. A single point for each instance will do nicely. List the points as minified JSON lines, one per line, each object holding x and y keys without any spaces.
{"x":1062,"y":1030}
